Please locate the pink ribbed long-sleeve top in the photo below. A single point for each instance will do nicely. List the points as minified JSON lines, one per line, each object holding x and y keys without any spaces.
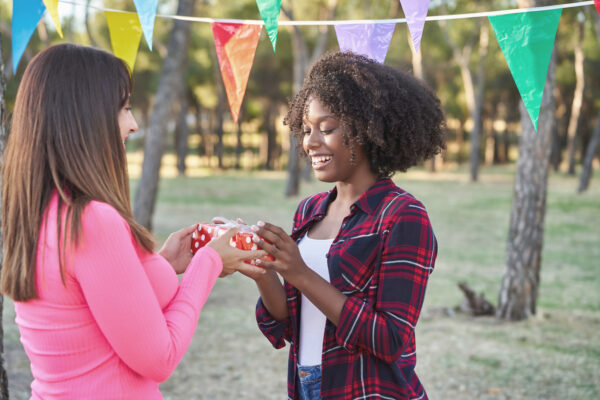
{"x":122,"y":322}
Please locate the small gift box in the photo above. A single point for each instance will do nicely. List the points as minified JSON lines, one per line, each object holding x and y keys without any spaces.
{"x":204,"y":233}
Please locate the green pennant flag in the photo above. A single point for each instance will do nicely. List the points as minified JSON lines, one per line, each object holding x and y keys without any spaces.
{"x":527,"y":40}
{"x":269,"y":11}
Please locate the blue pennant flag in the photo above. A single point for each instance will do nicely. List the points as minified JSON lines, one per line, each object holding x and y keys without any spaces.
{"x":26,"y":16}
{"x":146,"y":10}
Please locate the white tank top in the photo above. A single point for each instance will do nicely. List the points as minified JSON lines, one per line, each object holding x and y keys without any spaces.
{"x":312,"y":320}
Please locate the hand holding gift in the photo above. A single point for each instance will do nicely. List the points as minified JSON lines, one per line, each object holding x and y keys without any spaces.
{"x":242,"y":240}
{"x":234,"y":259}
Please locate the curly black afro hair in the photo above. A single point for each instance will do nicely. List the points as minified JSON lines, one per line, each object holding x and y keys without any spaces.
{"x":395,"y":118}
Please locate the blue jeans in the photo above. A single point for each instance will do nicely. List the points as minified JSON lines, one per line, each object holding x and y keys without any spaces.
{"x":310,"y":382}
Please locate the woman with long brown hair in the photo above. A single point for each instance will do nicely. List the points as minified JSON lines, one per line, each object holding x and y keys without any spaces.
{"x":101,"y":315}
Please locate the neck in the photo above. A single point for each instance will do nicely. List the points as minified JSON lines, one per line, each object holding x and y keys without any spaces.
{"x":349,"y":191}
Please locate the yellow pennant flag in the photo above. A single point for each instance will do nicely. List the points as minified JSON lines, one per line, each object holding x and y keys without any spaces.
{"x":125,"y":33}
{"x":52,"y":6}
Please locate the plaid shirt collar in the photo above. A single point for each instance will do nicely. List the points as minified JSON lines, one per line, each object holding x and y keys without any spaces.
{"x":368,"y":202}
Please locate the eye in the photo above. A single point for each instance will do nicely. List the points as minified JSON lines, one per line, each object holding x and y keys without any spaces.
{"x":306,"y":131}
{"x":127,"y":108}
{"x":327,"y":131}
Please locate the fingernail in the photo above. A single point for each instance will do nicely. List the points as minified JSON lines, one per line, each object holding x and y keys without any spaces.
{"x":258,"y":261}
{"x":260,"y":223}
{"x":254,"y":228}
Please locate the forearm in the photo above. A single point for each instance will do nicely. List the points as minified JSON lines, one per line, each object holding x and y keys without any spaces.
{"x":273,"y":296}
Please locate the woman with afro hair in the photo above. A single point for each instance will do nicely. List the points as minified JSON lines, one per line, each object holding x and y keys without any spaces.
{"x":356,"y":265}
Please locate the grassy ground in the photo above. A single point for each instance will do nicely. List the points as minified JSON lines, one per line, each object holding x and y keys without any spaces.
{"x":554,"y":355}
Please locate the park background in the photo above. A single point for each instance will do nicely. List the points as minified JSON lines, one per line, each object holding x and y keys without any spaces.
{"x":209,"y":165}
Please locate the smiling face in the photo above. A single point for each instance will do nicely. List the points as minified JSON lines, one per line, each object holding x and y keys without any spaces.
{"x":127,"y":124}
{"x":323,"y":141}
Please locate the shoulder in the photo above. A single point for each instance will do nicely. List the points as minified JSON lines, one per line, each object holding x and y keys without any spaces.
{"x":98,"y":215}
{"x":308,"y":205}
{"x":399,"y":204}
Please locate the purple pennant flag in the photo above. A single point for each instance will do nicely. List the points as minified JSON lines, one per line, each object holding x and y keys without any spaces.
{"x":371,"y":39}
{"x":415,"y":12}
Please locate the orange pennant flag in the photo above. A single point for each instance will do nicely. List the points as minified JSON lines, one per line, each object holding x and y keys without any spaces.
{"x":236,"y":45}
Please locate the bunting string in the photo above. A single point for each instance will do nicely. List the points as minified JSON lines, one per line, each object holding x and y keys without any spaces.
{"x":361,"y":21}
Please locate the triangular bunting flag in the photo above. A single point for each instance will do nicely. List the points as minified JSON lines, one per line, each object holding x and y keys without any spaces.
{"x":125,"y":34}
{"x":52,"y":6}
{"x":597,"y":2}
{"x":146,"y":10}
{"x":527,"y":40}
{"x":26,"y":15}
{"x":269,"y":11}
{"x":370,"y":39}
{"x":415,"y":12}
{"x":236,"y":45}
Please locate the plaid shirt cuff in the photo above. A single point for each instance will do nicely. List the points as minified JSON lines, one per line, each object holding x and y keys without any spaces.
{"x":277,"y":332}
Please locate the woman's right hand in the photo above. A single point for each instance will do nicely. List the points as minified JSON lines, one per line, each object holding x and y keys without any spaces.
{"x":233,"y":258}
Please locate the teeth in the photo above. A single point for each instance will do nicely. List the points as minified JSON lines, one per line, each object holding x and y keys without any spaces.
{"x":320,"y":159}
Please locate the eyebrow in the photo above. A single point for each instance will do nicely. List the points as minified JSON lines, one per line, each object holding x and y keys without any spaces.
{"x":321,"y":118}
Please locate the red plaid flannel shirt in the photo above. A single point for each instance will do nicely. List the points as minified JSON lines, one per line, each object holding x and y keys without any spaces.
{"x":381,"y":259}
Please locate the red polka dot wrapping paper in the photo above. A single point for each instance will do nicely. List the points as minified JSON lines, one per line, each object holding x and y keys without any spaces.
{"x":204,"y":233}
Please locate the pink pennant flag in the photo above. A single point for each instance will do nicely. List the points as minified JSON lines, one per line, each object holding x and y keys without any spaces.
{"x":370,"y":39}
{"x":415,"y":12}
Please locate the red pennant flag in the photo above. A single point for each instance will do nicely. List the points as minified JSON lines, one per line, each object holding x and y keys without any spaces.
{"x":236,"y":45}
{"x":597,"y":5}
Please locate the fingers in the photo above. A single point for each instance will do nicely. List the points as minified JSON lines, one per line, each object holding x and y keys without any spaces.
{"x":272,"y":228}
{"x":230,"y":233}
{"x":250,"y":269}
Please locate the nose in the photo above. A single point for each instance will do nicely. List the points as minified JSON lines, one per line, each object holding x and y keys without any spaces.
{"x":133,"y":126}
{"x":312,"y":140}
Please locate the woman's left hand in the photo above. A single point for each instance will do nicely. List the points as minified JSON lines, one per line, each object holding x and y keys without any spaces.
{"x":177,"y":249}
{"x":288,"y":261}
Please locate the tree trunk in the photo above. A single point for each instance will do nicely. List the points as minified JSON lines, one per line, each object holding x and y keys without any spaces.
{"x":592,"y":149}
{"x":519,"y":291}
{"x":239,"y":146}
{"x":477,"y":110}
{"x":577,"y":100}
{"x":270,"y":114}
{"x":181,"y":135}
{"x":166,"y":94}
{"x":417,"y":64}
{"x":3,"y":136}
{"x":88,"y":28}
{"x":473,"y":90}
{"x":300,"y":52}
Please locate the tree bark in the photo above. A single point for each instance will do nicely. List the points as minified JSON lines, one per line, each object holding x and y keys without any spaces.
{"x":577,"y":100}
{"x":147,"y":189}
{"x":591,"y":152}
{"x":3,"y":137}
{"x":519,"y":291}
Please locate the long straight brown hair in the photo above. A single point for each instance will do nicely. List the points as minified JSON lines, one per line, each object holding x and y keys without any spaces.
{"x":65,"y":136}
